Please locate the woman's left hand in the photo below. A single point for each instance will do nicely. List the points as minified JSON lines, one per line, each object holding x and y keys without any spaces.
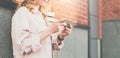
{"x":66,"y":31}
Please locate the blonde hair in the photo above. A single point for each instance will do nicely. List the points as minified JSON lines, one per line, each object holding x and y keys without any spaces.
{"x":27,"y":3}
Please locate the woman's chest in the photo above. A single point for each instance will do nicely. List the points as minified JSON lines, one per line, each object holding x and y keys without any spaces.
{"x":37,"y":23}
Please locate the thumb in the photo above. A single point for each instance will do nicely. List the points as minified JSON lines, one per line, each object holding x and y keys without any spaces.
{"x":60,"y":21}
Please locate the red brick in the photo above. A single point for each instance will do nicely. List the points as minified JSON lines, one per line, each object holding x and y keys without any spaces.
{"x":74,"y":9}
{"x":110,"y":9}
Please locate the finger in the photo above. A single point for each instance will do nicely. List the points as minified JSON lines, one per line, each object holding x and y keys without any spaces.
{"x":56,"y":30}
{"x":71,"y":26}
{"x":68,"y":29}
{"x":60,"y":21}
{"x":61,"y":24}
{"x":68,"y":26}
{"x":67,"y":32}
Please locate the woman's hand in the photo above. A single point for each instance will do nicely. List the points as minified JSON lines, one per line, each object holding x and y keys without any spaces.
{"x":66,"y":31}
{"x":55,"y":26}
{"x":52,"y":29}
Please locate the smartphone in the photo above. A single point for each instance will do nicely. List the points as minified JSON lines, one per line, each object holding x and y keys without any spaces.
{"x":69,"y":21}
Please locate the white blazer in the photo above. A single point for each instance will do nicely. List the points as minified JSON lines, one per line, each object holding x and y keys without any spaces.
{"x":26,"y":31}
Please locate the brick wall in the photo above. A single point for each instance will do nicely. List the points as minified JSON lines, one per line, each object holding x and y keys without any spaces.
{"x":73,"y":9}
{"x":110,"y":9}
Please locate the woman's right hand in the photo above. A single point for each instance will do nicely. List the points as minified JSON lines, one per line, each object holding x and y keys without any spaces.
{"x":55,"y":26}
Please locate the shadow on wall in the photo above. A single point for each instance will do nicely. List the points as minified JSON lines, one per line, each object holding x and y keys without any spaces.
{"x":8,"y":4}
{"x":5,"y":35}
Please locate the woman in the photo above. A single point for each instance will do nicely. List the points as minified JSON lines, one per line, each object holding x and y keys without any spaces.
{"x":31,"y":35}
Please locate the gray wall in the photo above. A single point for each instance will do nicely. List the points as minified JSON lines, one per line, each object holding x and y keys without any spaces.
{"x":94,"y":43}
{"x":76,"y":45}
{"x":111,"y":39}
{"x":5,"y":39}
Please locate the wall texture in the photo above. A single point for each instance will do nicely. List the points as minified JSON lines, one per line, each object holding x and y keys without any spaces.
{"x":76,"y":45}
{"x":111,"y":39}
{"x":110,"y":14}
{"x":5,"y":37}
{"x":8,"y":4}
{"x":110,"y":9}
{"x":74,"y":9}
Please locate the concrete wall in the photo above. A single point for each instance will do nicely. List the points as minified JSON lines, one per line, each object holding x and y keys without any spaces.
{"x":76,"y":45}
{"x":111,"y":39}
{"x":5,"y":37}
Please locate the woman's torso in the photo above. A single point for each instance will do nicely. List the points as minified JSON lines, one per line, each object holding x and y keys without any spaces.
{"x":37,"y":24}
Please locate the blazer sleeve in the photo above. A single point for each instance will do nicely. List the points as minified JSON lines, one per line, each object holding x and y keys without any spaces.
{"x":22,"y":35}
